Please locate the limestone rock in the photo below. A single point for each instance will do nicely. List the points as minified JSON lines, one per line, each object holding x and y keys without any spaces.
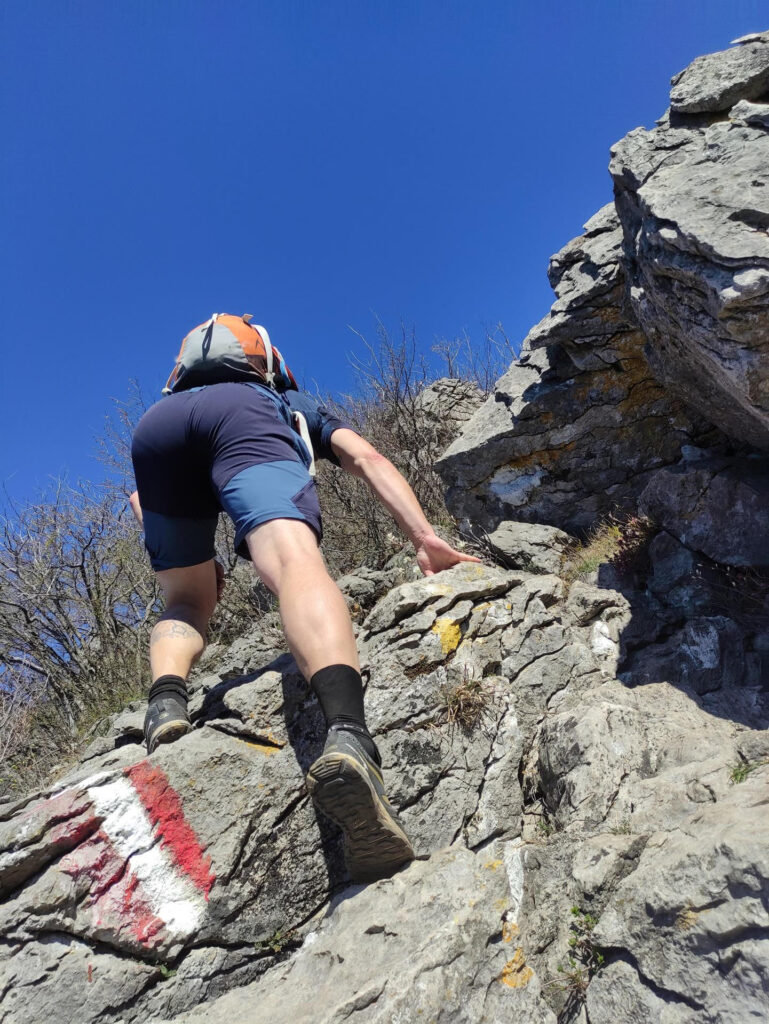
{"x":530,"y":546}
{"x":720,"y":509}
{"x":714,"y":82}
{"x":407,"y":948}
{"x":656,"y":343}
{"x":199,"y":883}
{"x":690,"y":195}
{"x":577,"y":424}
{"x":449,"y":401}
{"x":694,"y":905}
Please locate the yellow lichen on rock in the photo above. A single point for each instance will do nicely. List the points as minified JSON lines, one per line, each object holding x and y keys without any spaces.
{"x":449,"y":633}
{"x":516,"y":973}
{"x":264,"y":748}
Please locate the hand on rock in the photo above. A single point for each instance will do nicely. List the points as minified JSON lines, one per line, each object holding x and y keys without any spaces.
{"x":434,"y":554}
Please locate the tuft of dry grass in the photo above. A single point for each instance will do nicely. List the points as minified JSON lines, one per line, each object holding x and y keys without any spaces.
{"x":616,"y":540}
{"x":600,"y":546}
{"x":466,"y":703}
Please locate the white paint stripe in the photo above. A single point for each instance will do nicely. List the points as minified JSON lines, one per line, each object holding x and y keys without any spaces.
{"x":65,"y":787}
{"x":171,"y":896}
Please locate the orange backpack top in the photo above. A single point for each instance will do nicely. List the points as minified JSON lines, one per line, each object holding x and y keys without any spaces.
{"x":229,"y":348}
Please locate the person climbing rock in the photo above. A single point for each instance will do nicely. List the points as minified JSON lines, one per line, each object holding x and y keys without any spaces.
{"x":235,"y":434}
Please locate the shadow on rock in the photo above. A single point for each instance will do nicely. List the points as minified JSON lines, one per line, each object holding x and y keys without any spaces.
{"x":700,"y":626}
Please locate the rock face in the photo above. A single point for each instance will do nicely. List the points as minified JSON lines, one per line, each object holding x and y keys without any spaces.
{"x":579,"y":423}
{"x":147,"y":888}
{"x":691,"y":195}
{"x":658,"y":342}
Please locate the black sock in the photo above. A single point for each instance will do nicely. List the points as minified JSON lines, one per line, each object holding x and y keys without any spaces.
{"x":169,"y":684}
{"x":339,"y":689}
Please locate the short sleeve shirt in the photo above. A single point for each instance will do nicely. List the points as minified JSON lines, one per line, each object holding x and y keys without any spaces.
{"x":321,"y":423}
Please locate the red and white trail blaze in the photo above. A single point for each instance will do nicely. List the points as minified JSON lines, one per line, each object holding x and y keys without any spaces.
{"x":147,"y":873}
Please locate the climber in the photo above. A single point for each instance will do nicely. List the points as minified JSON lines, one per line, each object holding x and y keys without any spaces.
{"x":224,"y":438}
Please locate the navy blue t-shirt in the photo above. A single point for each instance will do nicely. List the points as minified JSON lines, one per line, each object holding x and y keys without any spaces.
{"x":321,"y":423}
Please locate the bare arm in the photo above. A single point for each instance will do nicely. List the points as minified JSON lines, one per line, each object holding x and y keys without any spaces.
{"x":361,"y":459}
{"x":136,"y":508}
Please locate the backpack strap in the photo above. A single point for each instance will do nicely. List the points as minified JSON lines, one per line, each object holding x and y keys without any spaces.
{"x":300,"y":426}
{"x":294,"y":419}
{"x":269,"y":355}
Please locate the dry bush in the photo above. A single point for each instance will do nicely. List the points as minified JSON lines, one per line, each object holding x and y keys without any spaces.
{"x":77,"y":599}
{"x":467,"y":703}
{"x":482,"y":364}
{"x":387,"y":409}
{"x":619,"y":539}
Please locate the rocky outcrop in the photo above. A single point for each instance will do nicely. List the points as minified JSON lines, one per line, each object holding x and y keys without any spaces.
{"x":655,"y":353}
{"x":146,"y":888}
{"x":691,"y":195}
{"x":579,"y":423}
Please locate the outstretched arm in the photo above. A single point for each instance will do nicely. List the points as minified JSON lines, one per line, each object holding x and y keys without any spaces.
{"x":361,"y":459}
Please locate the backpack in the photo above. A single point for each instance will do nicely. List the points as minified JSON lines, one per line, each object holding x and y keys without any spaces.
{"x":229,"y":348}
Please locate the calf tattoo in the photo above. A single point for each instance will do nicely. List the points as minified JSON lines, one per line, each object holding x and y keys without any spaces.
{"x":179,"y":630}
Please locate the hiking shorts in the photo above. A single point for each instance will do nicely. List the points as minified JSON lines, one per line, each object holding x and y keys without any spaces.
{"x":224,"y":447}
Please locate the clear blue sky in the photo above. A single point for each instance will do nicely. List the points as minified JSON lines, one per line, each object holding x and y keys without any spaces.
{"x":311,"y":163}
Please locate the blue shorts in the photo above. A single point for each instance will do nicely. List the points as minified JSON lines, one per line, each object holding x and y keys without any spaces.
{"x":221,"y":447}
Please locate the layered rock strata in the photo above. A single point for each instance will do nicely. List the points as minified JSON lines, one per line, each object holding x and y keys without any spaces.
{"x":692,"y":198}
{"x":656,"y":351}
{"x":579,"y":423}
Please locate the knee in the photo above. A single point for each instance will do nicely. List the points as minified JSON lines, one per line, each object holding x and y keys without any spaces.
{"x":282,"y":549}
{"x":296,"y":566}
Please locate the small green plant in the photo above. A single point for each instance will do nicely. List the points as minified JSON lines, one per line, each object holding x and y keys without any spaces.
{"x":166,"y":971}
{"x":740,"y":770}
{"x":599,"y":548}
{"x":544,"y":828}
{"x":278,"y":941}
{"x":586,"y":958}
{"x":465,"y":703}
{"x":622,"y":828}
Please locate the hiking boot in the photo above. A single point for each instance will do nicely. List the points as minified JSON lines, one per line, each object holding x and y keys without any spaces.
{"x":347,"y":786}
{"x":166,"y":719}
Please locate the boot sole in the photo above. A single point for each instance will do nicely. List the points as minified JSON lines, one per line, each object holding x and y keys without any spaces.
{"x":375,"y":847}
{"x":167,"y":733}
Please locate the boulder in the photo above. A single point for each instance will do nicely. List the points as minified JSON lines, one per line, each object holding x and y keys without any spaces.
{"x":530,"y":546}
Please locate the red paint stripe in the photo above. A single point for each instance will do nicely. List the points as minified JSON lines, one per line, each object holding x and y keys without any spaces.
{"x":165,"y":811}
{"x":115,"y":897}
{"x":68,"y":819}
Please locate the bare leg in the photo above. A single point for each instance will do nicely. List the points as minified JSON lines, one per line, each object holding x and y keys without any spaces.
{"x":315,"y":618}
{"x":178,"y":638}
{"x":345,"y":782}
